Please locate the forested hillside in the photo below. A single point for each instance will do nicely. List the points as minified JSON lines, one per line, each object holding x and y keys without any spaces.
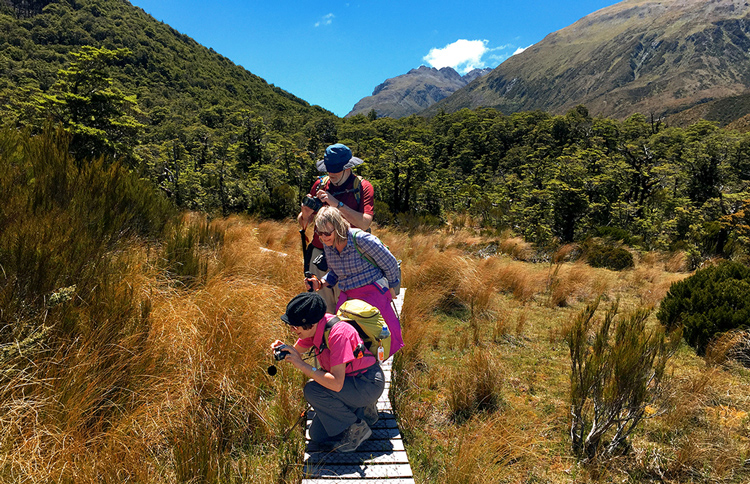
{"x":209,"y":132}
{"x":565,"y":178}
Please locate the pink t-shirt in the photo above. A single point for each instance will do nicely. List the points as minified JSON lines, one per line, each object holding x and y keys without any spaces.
{"x":342,"y":341}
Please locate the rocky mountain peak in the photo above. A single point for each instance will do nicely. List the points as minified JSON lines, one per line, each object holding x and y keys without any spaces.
{"x":414,"y":91}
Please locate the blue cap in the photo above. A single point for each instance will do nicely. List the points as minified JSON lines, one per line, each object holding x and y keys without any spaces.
{"x":338,"y":157}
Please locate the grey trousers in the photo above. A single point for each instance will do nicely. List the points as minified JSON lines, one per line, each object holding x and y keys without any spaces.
{"x":336,"y":411}
{"x":330,"y":294}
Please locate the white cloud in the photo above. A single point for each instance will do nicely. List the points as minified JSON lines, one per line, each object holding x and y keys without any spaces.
{"x":326,"y":20}
{"x":462,"y":55}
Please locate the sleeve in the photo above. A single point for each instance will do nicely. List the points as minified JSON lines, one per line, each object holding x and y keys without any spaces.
{"x":371,"y":246}
{"x":367,"y":200}
{"x":329,"y":277}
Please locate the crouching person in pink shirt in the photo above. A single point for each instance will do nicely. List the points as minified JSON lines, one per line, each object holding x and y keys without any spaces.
{"x":345,"y":389}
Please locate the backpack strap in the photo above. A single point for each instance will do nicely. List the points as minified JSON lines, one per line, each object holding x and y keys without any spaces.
{"x":356,"y":187}
{"x":327,"y":332}
{"x":361,"y":254}
{"x":357,"y":351}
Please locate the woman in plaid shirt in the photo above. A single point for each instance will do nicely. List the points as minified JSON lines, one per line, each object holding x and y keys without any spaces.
{"x":357,"y":277}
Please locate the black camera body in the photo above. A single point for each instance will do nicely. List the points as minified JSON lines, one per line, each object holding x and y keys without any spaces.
{"x":313,"y":202}
{"x":279,"y":353}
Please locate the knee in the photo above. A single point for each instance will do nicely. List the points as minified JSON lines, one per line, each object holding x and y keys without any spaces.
{"x":313,"y":391}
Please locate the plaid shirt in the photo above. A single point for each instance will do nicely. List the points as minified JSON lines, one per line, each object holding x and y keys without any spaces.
{"x":350,"y":270}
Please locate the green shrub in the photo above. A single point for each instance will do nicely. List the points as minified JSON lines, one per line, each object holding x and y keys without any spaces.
{"x":383,"y":214}
{"x":617,"y":367}
{"x":710,"y":302}
{"x":63,"y":225}
{"x":283,"y":203}
{"x":614,"y":258}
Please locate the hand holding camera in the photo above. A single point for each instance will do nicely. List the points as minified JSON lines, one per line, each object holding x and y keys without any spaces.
{"x":312,"y":282}
{"x":280,"y":352}
{"x":312,"y":203}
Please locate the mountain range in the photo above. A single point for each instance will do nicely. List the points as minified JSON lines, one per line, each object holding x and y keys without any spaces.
{"x":414,"y":91}
{"x":669,"y":58}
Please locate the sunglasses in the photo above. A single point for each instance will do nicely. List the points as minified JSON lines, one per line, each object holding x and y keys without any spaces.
{"x":325,"y":234}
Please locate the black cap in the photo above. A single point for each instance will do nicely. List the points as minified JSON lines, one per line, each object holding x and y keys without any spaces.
{"x":305,"y":308}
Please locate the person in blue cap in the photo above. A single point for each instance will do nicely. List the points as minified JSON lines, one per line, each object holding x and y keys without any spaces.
{"x":352,"y":195}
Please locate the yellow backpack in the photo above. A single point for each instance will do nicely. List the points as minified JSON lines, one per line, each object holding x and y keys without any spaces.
{"x":368,"y":322}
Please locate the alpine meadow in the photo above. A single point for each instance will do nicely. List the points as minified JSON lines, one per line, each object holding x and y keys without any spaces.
{"x":577,"y":286}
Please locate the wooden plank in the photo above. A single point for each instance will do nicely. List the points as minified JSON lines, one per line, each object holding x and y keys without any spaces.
{"x":399,"y":302}
{"x":386,"y":420}
{"x":370,"y":445}
{"x":377,"y":434}
{"x":359,"y":457}
{"x":359,"y":471}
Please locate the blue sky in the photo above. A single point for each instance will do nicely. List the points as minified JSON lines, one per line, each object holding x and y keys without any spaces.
{"x":334,"y":53}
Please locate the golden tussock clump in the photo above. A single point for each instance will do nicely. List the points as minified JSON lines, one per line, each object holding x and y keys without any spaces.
{"x":732,"y":346}
{"x":517,"y":248}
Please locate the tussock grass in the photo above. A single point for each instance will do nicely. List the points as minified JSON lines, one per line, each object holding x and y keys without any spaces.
{"x":677,"y":262}
{"x":158,"y":380}
{"x":730,"y":347}
{"x":517,"y":248}
{"x":469,"y":318}
{"x":482,"y":450}
{"x":474,"y":385}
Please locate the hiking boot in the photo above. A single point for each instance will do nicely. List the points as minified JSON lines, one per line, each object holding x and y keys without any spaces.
{"x":353,"y":437}
{"x":371,"y":415}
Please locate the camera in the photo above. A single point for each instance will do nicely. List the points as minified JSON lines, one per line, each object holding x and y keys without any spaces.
{"x":279,"y":353}
{"x":313,"y":202}
{"x":308,"y":275}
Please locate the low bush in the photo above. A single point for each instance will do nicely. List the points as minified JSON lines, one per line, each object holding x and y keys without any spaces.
{"x":710,"y":302}
{"x":613,"y":233}
{"x":608,"y":256}
{"x":64,"y":224}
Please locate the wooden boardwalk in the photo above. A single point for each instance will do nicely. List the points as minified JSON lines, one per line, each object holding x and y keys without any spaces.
{"x":380,"y":459}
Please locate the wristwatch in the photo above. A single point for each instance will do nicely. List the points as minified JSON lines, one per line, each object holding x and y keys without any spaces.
{"x":341,"y":204}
